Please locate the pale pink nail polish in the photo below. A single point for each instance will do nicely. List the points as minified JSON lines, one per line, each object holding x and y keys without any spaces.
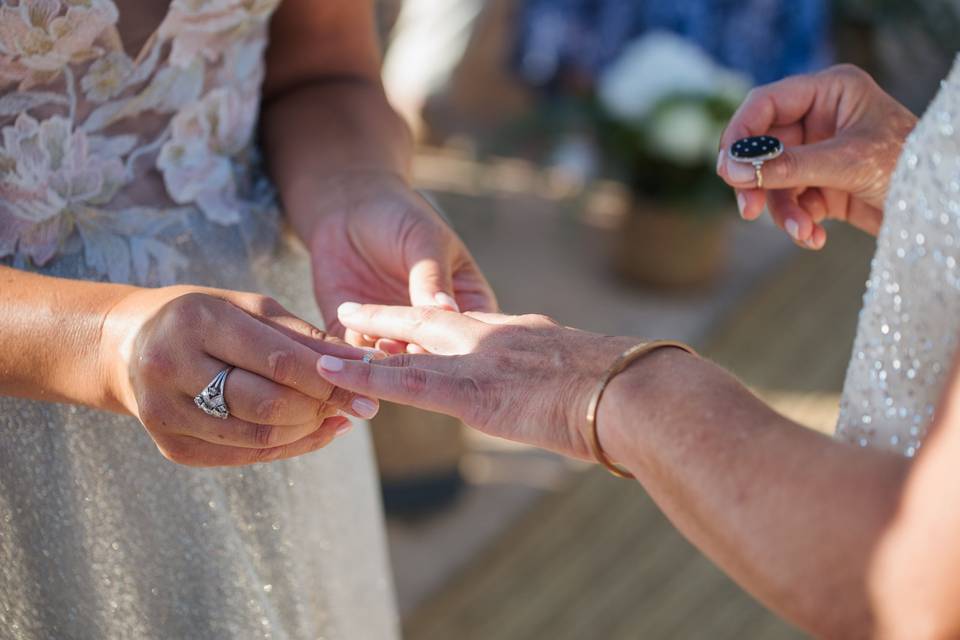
{"x":365,"y":407}
{"x":347,"y":309}
{"x":446,"y":300}
{"x":344,"y":429}
{"x":741,"y":203}
{"x":793,"y":228}
{"x":720,"y":160}
{"x":331,"y":364}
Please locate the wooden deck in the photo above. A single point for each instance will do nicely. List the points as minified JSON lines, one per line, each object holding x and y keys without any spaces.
{"x":597,"y":559}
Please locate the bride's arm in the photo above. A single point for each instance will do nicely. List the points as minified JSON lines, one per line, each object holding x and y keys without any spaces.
{"x":324,"y":108}
{"x":793,"y":515}
{"x":147,"y":352}
{"x":50,"y":338}
{"x":340,"y":157}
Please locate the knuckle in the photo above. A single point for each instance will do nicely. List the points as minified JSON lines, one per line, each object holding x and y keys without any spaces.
{"x":264,"y":435}
{"x":413,"y":381}
{"x":282,"y":366}
{"x":848,"y":70}
{"x":190,"y":310}
{"x":539,"y":319}
{"x":269,"y":410}
{"x":266,"y":306}
{"x":156,"y":362}
{"x":786,"y":167}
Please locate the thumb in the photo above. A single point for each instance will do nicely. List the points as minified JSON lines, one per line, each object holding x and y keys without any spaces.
{"x":431,"y":280}
{"x":823,"y":164}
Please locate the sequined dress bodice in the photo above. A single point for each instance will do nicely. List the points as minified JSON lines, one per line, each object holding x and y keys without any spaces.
{"x":907,"y":335}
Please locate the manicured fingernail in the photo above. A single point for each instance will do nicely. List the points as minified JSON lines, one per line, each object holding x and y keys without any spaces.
{"x":720,"y":160}
{"x":794,"y":229}
{"x":740,"y":172}
{"x":330,"y":363}
{"x":344,"y":429}
{"x":446,"y":300}
{"x":811,"y":243}
{"x":348,"y":309}
{"x":365,"y":407}
{"x":741,"y":203}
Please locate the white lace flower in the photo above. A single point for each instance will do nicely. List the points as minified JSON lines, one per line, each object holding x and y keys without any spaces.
{"x":37,"y":42}
{"x":107,"y":77}
{"x":197,"y":163}
{"x":48,"y":172}
{"x":207,"y":28}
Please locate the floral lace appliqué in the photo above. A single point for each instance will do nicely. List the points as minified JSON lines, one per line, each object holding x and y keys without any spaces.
{"x":73,"y":99}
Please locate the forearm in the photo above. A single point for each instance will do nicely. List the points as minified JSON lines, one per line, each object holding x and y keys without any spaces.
{"x":791,"y":514}
{"x":50,"y":338}
{"x":316,"y":130}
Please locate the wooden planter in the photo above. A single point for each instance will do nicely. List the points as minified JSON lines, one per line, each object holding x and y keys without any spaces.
{"x":418,"y":454}
{"x":667,"y":248}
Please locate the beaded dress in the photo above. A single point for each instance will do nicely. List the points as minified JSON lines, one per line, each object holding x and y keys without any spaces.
{"x":907,"y":335}
{"x":135,"y":163}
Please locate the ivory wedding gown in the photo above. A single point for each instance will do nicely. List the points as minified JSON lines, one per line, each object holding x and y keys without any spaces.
{"x":137,"y":165}
{"x":907,"y":336}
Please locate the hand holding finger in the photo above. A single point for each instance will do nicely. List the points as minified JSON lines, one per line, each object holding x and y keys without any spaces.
{"x":436,"y":330}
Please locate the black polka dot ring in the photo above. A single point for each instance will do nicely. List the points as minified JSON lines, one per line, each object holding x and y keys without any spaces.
{"x":756,"y":150}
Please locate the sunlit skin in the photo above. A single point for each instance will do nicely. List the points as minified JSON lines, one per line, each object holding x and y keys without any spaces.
{"x":846,"y":542}
{"x":340,"y":157}
{"x":843,"y":136}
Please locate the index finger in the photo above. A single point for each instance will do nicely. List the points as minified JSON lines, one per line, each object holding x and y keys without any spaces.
{"x":436,"y":330}
{"x":246,"y":342}
{"x":778,"y":104}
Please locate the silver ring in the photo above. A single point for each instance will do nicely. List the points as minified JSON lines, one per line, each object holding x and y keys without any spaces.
{"x":756,"y":150}
{"x":211,"y":400}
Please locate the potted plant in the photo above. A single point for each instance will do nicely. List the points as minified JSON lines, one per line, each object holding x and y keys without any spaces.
{"x":661,"y":109}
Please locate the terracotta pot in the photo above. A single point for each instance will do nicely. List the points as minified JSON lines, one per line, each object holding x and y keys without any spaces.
{"x":669,"y":248}
{"x":418,"y":454}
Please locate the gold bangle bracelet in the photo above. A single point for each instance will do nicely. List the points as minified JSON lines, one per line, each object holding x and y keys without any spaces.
{"x":627,"y":358}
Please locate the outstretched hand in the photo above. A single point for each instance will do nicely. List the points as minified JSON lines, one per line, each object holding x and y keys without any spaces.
{"x":843,"y":136}
{"x":523,"y":378}
{"x":380,"y":242}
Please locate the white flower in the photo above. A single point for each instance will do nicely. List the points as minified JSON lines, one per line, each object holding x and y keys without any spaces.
{"x":207,"y":28}
{"x":660,"y":65}
{"x":47,"y":173}
{"x":197,"y":163}
{"x":37,"y":42}
{"x":684,"y":134}
{"x":107,"y":77}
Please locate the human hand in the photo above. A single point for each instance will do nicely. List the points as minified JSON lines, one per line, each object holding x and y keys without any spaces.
{"x":842,"y":136}
{"x":523,"y":378}
{"x":160,"y":347}
{"x":379,"y":242}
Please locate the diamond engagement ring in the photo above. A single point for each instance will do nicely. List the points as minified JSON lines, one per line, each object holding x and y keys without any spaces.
{"x":756,"y":150}
{"x":211,"y":400}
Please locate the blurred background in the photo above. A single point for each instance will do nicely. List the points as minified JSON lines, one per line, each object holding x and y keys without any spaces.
{"x":572,"y":143}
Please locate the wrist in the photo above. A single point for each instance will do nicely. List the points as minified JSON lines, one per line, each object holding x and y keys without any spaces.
{"x":633,"y":400}
{"x":311,"y":199}
{"x":116,"y":340}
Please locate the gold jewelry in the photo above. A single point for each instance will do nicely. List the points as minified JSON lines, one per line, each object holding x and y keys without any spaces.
{"x":625,"y":360}
{"x":758,"y":167}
